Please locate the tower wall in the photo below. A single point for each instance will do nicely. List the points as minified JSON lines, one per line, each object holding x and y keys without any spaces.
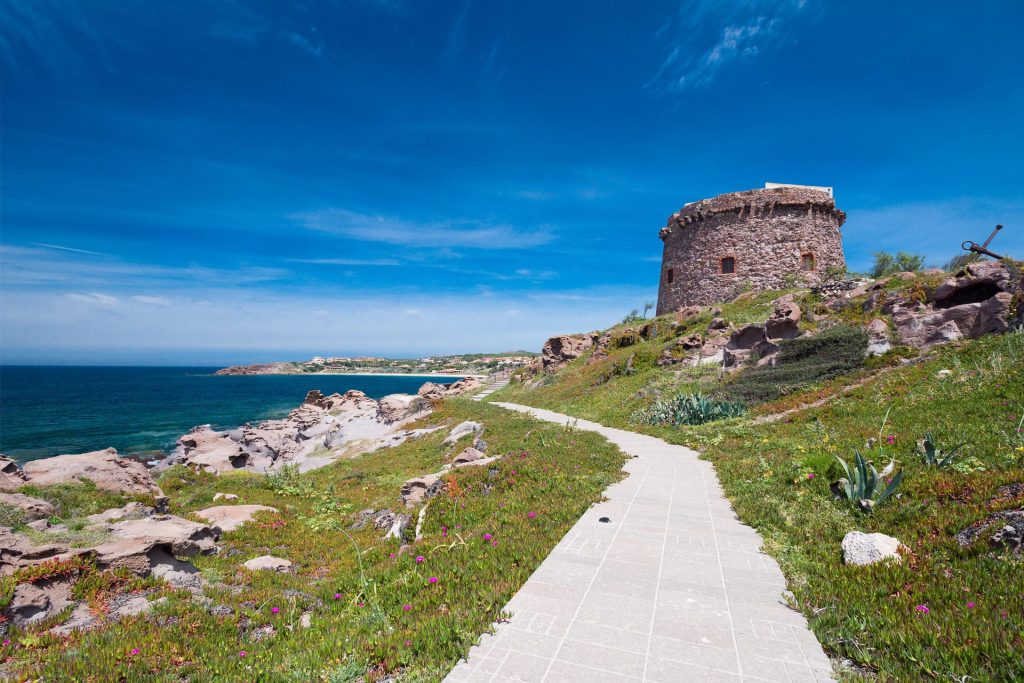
{"x":775,"y":237}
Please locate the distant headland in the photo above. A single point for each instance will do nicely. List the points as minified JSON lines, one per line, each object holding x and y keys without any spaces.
{"x":468,"y":364}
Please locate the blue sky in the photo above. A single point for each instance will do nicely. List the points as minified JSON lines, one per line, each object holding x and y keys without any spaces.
{"x":240,"y":181}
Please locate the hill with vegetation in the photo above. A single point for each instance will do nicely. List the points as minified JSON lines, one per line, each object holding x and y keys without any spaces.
{"x":942,"y":421}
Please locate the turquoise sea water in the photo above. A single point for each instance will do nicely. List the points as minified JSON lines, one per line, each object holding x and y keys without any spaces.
{"x":47,"y":411}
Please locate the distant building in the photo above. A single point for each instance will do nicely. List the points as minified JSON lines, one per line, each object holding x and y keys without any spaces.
{"x":717,"y":248}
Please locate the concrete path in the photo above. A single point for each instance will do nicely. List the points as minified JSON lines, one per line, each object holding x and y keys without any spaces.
{"x":491,"y":388}
{"x":671,"y":588}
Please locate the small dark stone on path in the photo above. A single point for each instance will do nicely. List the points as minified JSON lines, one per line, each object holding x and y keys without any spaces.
{"x":604,"y":519}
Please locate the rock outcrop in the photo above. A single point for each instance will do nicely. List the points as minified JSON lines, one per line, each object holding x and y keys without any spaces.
{"x":976,"y":302}
{"x":230,"y":517}
{"x":31,"y":508}
{"x":560,"y":350}
{"x":11,"y":476}
{"x":311,"y":436}
{"x":104,"y":468}
{"x":266,"y":563}
{"x":418,"y":489}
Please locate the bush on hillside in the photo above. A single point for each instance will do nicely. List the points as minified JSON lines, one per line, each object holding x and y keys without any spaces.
{"x":689,"y":409}
{"x":887,"y":264}
{"x":800,"y":363}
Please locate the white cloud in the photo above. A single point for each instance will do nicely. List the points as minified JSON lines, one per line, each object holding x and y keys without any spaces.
{"x":439,"y":234}
{"x":71,"y":249}
{"x":704,"y":39}
{"x":347,"y":261}
{"x":92,"y":298}
{"x":151,"y":300}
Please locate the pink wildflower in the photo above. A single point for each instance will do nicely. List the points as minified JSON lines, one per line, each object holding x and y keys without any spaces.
{"x":420,"y":559}
{"x":7,"y":642}
{"x":407,"y":608}
{"x":970,"y":605}
{"x":810,"y":475}
{"x":494,"y":544}
{"x":432,"y":579}
{"x":408,"y":643}
{"x":487,"y":537}
{"x":275,"y":610}
{"x":531,"y":515}
{"x":392,"y":556}
{"x":891,"y":439}
{"x":923,"y":609}
{"x":242,"y":653}
{"x":337,"y":596}
{"x":134,"y":651}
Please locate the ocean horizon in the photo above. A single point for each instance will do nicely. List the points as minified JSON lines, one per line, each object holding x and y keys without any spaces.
{"x":48,"y":410}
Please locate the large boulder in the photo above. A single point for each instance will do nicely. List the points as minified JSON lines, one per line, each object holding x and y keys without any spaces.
{"x":747,"y":341}
{"x":418,"y":489}
{"x":462,"y":430}
{"x":104,"y":468}
{"x":431,"y":391}
{"x":863,"y":549}
{"x":397,"y":407}
{"x":463,"y":386}
{"x":11,"y":476}
{"x":31,"y":508}
{"x":267,"y":563}
{"x":184,"y":537}
{"x":17,"y":550}
{"x":230,"y":517}
{"x":214,"y":451}
{"x":560,"y":350}
{"x":784,"y":320}
{"x":878,"y":337}
{"x":924,"y":326}
{"x":33,"y":602}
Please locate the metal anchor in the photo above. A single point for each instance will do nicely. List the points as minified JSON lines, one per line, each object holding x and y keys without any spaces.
{"x":983,"y":248}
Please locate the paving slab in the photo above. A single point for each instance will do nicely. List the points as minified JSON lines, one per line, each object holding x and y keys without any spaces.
{"x":673,"y":588}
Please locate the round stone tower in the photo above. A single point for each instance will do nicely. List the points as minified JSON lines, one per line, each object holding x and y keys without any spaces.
{"x":718,"y":248}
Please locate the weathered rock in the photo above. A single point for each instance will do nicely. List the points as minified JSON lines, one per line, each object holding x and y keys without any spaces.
{"x":562,"y":349}
{"x":878,"y":337}
{"x":306,"y":620}
{"x":466,"y":456}
{"x":184,"y":537}
{"x":213,"y":451}
{"x":17,"y":550}
{"x":230,"y":517}
{"x":178,"y":573}
{"x":134,"y":606}
{"x":133,"y":510}
{"x":316,"y":398}
{"x":463,"y":386}
{"x":11,"y":476}
{"x":750,"y":340}
{"x":717,"y":324}
{"x":863,"y":549}
{"x":81,"y":619}
{"x":397,"y":407}
{"x":267,"y":563}
{"x":36,"y":601}
{"x":461,"y":430}
{"x":104,"y":468}
{"x":784,"y":320}
{"x":224,"y":496}
{"x":419,"y":489}
{"x":31,"y":508}
{"x":431,"y":391}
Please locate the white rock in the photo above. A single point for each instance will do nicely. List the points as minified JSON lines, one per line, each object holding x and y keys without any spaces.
{"x":862,"y":549}
{"x":230,"y":517}
{"x":462,"y":430}
{"x":267,"y":563}
{"x":305,"y":621}
{"x":224,"y":496}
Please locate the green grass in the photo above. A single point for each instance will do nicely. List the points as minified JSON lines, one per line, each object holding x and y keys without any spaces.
{"x":552,"y":471}
{"x":867,"y":614}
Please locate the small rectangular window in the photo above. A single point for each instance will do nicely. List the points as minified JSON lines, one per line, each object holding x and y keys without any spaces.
{"x":807,"y":262}
{"x":670,"y":276}
{"x":728,"y":265}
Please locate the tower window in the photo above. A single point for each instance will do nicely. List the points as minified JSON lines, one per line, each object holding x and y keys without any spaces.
{"x":728,"y":265}
{"x":807,"y":261}
{"x":670,"y":276}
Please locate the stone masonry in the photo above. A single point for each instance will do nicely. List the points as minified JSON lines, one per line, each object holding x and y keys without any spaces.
{"x":767,"y":238}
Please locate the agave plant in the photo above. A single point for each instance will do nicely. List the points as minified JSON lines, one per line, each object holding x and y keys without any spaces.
{"x":862,"y":483}
{"x":931,"y":455}
{"x":691,"y":409}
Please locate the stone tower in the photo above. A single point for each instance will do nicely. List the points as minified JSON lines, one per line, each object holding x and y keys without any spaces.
{"x":717,"y":248}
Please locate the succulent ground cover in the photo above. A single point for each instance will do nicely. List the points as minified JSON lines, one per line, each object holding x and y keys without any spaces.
{"x":946,"y":612}
{"x":373,"y":609}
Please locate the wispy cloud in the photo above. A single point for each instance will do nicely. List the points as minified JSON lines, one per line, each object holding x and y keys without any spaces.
{"x":71,"y":249}
{"x":347,"y":261}
{"x":438,"y":234}
{"x":701,"y":41}
{"x":303,"y":43}
{"x":93,"y":298}
{"x":151,"y":300}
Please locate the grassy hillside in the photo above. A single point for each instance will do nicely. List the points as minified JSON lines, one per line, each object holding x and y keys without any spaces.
{"x":946,"y":612}
{"x":374,"y":610}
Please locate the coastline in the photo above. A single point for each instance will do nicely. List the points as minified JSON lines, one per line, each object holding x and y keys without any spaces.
{"x":394,"y":374}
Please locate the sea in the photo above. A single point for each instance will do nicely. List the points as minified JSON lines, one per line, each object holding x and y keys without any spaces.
{"x":46,"y":411}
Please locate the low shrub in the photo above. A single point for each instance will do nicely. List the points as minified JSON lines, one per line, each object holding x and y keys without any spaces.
{"x":689,"y":409}
{"x":801,"y":362}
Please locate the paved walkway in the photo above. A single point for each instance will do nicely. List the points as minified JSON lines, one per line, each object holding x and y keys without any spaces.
{"x":672,"y":588}
{"x":491,"y":388}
